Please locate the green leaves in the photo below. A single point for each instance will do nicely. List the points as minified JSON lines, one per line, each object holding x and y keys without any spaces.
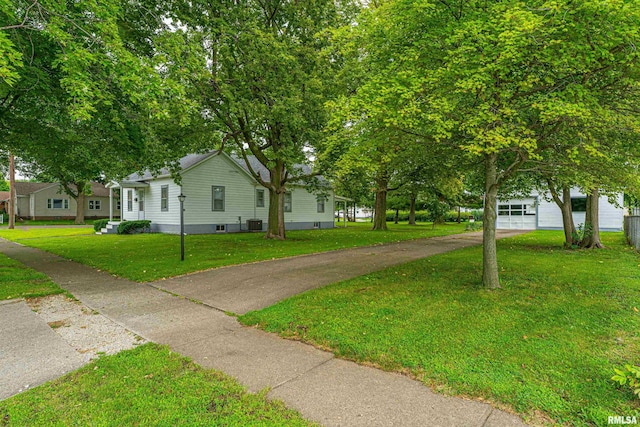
{"x":629,"y":375}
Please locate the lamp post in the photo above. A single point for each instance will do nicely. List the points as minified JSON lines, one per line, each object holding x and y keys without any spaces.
{"x":181,"y":197}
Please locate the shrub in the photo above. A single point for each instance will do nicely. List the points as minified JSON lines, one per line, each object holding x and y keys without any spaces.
{"x":131,"y":227}
{"x":452,"y":216}
{"x":477,"y":214}
{"x":403,"y":216}
{"x":473,"y":226}
{"x":99,"y":224}
{"x":629,"y":375}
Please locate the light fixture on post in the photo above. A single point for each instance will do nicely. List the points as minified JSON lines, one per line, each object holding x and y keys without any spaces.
{"x":181,"y":197}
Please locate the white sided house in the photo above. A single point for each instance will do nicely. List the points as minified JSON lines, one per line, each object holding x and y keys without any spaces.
{"x":221,"y":196}
{"x":539,"y":212}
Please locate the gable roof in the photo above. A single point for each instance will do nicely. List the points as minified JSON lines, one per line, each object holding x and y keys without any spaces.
{"x":187,"y":162}
{"x":26,"y":188}
{"x":264,"y":173}
{"x":191,"y":160}
{"x":4,"y":196}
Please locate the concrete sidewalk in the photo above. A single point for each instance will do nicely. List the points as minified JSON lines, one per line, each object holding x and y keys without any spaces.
{"x":31,"y":353}
{"x":330,"y":391}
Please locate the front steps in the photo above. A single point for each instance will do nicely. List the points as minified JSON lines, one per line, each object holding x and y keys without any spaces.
{"x":111,"y":228}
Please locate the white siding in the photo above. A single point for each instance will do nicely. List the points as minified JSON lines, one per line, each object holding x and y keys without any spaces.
{"x":549,"y":215}
{"x":610,"y":216}
{"x":240,"y":200}
{"x":238,"y":189}
{"x":304,"y":207}
{"x":152,"y":209}
{"x":133,"y":214}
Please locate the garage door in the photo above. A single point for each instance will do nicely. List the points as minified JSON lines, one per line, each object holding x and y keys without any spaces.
{"x":517,"y":214}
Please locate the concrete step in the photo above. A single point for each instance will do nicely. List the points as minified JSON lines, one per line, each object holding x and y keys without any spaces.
{"x":110,"y":228}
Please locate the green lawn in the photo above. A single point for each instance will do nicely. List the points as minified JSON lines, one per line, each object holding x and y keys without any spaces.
{"x":29,"y":222}
{"x":18,"y":281}
{"x":145,"y":257}
{"x":149,"y":385}
{"x":548,"y":341}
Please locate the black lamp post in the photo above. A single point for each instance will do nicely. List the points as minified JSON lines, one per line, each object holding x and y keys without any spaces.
{"x":181,"y":197}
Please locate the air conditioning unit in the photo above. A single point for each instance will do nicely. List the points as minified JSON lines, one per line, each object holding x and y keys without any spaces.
{"x":254,"y":224}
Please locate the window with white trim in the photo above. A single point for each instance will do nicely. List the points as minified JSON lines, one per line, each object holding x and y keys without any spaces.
{"x":217,"y":198}
{"x":516,"y":210}
{"x":288,"y":203}
{"x":320,"y":204}
{"x":221,"y":228}
{"x":259,"y":198}
{"x":57,"y":203}
{"x":130,"y":200}
{"x":164,"y":198}
{"x":95,"y":205}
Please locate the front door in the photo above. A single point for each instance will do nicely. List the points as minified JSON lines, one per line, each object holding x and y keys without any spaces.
{"x":141,"y":203}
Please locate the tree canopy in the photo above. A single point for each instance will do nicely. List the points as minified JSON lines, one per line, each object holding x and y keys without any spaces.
{"x":500,"y":81}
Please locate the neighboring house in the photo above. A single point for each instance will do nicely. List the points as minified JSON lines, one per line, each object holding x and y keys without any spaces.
{"x":539,"y":212}
{"x":4,"y":200}
{"x":221,"y":196}
{"x":47,"y":201}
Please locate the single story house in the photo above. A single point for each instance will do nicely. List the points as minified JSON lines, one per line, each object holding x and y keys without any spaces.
{"x":48,"y":201}
{"x":539,"y":212}
{"x":4,"y":200}
{"x":221,"y":196}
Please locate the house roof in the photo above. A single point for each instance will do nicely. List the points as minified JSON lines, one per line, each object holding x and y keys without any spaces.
{"x":192,"y":160}
{"x":26,"y":188}
{"x":264,"y":172}
{"x":186,"y":162}
{"x":4,"y":195}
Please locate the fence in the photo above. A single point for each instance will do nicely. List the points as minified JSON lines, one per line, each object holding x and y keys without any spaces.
{"x":632,"y":230}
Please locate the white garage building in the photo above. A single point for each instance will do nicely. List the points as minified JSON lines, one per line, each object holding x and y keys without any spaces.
{"x":537,"y":213}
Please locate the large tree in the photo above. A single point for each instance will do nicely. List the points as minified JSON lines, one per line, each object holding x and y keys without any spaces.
{"x":77,"y":85}
{"x":500,"y":79}
{"x":256,"y":71}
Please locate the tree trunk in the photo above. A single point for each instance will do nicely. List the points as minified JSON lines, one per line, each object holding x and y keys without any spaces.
{"x":277,"y":190}
{"x":591,"y":238}
{"x":397,"y":216}
{"x":79,"y":208}
{"x":12,"y":192}
{"x":380,"y":212}
{"x":570,"y":234}
{"x":412,"y":210}
{"x":490,"y":278}
{"x":275,"y":227}
{"x":80,"y":197}
{"x":459,"y":213}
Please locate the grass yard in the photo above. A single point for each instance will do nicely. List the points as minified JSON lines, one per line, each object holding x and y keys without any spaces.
{"x":30,"y":222}
{"x":18,"y":281}
{"x":546,"y":345}
{"x":146,"y":257}
{"x":149,"y":385}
